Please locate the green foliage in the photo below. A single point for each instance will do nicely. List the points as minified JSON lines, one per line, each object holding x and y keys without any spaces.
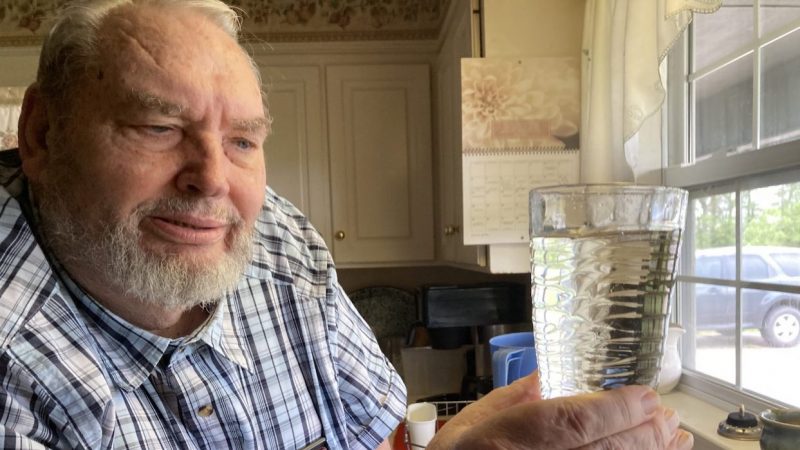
{"x":766,"y":219}
{"x":715,"y":222}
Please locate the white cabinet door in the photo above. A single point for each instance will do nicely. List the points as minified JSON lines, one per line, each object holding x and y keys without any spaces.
{"x":296,"y":152}
{"x":450,"y":237}
{"x":380,"y":147}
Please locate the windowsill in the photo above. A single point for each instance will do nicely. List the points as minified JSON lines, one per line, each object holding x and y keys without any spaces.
{"x":702,"y":419}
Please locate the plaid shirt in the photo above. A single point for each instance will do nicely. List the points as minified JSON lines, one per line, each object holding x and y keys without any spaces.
{"x":283,"y":360}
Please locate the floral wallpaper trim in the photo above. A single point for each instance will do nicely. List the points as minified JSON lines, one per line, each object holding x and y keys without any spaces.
{"x":24,"y":22}
{"x":341,"y":36}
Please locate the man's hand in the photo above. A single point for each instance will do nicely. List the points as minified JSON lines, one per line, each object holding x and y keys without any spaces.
{"x":514,"y":417}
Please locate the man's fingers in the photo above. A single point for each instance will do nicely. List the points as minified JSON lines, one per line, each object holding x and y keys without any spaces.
{"x":525,"y":389}
{"x":581,"y":420}
{"x":683,"y":441}
{"x":629,"y":417}
{"x":661,"y":432}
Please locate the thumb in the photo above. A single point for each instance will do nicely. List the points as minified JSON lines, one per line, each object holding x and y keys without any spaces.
{"x":523,"y":390}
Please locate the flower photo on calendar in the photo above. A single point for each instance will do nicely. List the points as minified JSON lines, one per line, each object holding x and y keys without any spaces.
{"x":520,"y":104}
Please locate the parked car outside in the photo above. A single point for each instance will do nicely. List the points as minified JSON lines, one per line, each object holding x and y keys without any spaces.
{"x":775,"y":314}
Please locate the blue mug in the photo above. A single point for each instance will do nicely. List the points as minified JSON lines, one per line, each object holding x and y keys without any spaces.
{"x":513,"y":357}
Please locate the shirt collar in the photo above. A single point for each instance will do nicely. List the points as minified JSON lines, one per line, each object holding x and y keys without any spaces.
{"x":130,"y":354}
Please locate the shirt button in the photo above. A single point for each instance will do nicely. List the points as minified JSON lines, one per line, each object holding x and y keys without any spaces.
{"x":205,"y":411}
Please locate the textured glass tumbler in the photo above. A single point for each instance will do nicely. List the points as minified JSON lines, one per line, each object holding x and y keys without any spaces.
{"x":603,"y":261}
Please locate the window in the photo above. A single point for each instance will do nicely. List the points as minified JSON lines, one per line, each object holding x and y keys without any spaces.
{"x":10,"y":107}
{"x":733,"y":122}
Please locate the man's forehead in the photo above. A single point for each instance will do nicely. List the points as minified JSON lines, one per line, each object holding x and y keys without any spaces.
{"x":149,"y":65}
{"x":162,"y":34}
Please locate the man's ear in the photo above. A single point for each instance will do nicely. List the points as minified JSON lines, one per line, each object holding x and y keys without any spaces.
{"x":34,"y":124}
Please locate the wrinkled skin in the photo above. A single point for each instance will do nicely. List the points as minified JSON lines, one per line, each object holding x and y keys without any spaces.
{"x":515,"y":417}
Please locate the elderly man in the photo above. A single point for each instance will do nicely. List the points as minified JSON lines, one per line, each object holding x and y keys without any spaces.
{"x":156,"y":294}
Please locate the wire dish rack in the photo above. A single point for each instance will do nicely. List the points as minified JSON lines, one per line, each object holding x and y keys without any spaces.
{"x":449,"y":408}
{"x":444,"y":411}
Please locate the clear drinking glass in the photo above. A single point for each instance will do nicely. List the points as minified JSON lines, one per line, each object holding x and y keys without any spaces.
{"x":603,"y":261}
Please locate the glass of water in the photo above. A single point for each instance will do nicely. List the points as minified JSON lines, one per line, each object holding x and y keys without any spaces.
{"x":603,"y":261}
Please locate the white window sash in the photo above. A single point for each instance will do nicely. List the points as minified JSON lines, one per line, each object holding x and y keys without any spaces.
{"x":714,"y":174}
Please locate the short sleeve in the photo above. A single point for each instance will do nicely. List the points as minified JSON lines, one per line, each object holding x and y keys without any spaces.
{"x":373,"y":394}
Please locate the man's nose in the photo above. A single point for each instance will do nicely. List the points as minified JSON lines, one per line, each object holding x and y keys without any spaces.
{"x":205,"y":168}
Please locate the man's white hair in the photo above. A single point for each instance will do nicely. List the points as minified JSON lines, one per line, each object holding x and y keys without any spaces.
{"x":72,"y":43}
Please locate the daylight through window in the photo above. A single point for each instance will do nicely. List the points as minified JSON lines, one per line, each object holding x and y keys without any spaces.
{"x":734,"y":142}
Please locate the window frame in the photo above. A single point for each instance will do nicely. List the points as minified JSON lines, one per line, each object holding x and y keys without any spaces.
{"x":719,"y":173}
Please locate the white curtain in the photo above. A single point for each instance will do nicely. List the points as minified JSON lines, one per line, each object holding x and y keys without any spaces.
{"x":622,"y":90}
{"x":10,"y":107}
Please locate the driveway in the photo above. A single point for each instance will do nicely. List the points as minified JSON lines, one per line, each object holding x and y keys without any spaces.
{"x":769,"y":371}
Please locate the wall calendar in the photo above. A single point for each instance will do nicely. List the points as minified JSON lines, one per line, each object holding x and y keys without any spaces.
{"x":520,"y":129}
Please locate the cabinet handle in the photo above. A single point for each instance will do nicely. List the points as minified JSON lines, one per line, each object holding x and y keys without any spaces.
{"x":340,"y":235}
{"x":451,"y":230}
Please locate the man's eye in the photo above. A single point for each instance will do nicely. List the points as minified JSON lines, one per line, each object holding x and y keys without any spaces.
{"x":157,"y":129}
{"x":154,"y":131}
{"x":243,"y":144}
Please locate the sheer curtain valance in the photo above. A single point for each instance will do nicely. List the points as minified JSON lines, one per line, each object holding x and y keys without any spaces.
{"x":624,"y":43}
{"x":10,"y":107}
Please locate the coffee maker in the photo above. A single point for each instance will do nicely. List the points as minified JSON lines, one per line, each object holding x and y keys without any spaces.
{"x":459,"y":315}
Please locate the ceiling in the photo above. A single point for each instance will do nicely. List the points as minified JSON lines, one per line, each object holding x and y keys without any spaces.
{"x":24,"y":22}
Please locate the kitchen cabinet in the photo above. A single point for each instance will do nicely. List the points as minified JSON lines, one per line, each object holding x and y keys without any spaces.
{"x":457,"y":44}
{"x":296,"y":153}
{"x":379,"y":122}
{"x":351,"y":148}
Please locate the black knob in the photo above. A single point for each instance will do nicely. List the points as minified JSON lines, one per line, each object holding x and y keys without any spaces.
{"x":742,"y":419}
{"x":741,"y":425}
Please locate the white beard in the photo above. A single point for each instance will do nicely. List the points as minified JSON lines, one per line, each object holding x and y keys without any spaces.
{"x":112,"y":249}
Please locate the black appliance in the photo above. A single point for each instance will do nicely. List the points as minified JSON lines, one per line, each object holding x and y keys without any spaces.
{"x":457,"y":315}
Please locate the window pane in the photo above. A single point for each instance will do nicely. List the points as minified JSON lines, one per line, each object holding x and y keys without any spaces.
{"x":724,"y":109}
{"x":776,"y":14}
{"x":788,"y":262}
{"x":770,"y":354}
{"x":771,"y":220}
{"x":714,"y":343}
{"x":721,"y":33}
{"x":715,"y":236}
{"x":780,"y":90}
